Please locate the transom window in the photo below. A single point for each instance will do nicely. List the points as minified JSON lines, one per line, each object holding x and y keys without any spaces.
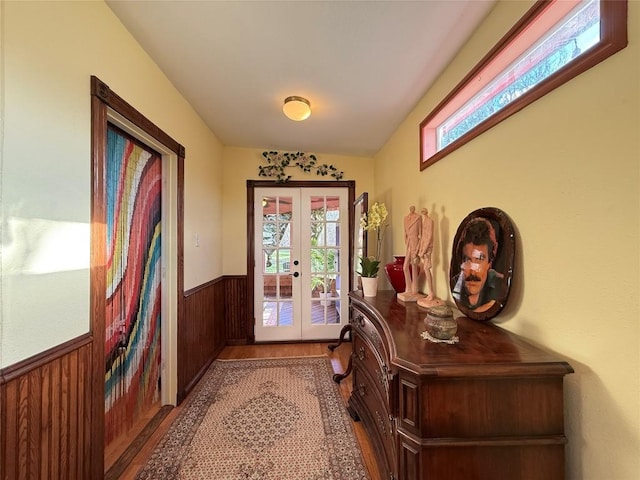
{"x":555,"y":41}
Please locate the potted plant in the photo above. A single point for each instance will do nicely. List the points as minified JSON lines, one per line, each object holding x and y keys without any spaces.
{"x":317,"y":284}
{"x":369,"y":267}
{"x":323,"y":288}
{"x":374,"y":220}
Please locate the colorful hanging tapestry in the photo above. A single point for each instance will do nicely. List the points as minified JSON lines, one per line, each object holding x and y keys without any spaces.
{"x":132,"y":350}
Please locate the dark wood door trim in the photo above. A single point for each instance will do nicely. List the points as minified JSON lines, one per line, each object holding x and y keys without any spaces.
{"x":102,"y":99}
{"x":251,"y":186}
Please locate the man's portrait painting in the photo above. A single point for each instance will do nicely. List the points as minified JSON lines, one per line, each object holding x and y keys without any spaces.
{"x":482,"y":263}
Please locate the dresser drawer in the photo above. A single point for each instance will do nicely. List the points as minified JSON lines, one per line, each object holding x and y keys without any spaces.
{"x":373,"y":363}
{"x":374,"y":335}
{"x":375,"y":414}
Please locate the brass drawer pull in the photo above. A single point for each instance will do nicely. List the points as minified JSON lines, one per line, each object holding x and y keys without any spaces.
{"x":383,"y":376}
{"x":362,"y":390}
{"x":362,"y":354}
{"x":382,"y":424}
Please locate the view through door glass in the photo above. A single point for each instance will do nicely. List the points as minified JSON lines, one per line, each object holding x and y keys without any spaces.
{"x":326,"y":242}
{"x":276,"y":252}
{"x":300,"y":258}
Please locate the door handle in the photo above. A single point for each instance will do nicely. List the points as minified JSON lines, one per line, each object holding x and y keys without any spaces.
{"x":295,"y":274}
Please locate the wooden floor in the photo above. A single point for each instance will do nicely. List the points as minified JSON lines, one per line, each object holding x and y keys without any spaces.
{"x":339,"y":359}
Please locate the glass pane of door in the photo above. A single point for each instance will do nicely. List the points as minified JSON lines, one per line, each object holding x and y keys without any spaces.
{"x":326,"y":240}
{"x":278,"y":230}
{"x":324,"y":257}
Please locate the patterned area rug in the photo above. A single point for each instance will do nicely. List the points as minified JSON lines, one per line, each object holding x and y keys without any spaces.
{"x":280,"y":419}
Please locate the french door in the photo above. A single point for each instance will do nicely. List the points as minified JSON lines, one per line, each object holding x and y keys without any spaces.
{"x":301,"y":276}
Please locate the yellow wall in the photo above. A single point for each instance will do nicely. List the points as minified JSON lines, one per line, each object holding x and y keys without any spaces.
{"x":241,"y":164}
{"x":566,"y":170}
{"x":49,"y":51}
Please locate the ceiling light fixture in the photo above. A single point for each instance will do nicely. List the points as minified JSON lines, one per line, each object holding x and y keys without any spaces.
{"x":297,"y":108}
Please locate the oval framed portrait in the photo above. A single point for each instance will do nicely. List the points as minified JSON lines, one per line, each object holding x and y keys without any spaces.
{"x":482,"y":263}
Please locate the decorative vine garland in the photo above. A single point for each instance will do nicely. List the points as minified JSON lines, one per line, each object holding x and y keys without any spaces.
{"x":277,"y":162}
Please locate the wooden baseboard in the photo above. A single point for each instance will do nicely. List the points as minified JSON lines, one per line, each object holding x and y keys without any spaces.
{"x":120,"y":465}
{"x":183,"y":394}
{"x":237,"y":342}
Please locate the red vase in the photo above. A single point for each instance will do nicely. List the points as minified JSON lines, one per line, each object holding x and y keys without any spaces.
{"x":395,"y":273}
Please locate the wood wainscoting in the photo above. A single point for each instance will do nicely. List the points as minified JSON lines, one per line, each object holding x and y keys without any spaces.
{"x":48,"y":424}
{"x":200,"y":333}
{"x":45,"y":414}
{"x":215,"y":314}
{"x":239,"y":327}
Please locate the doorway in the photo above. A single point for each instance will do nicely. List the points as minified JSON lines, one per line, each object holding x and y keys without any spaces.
{"x":301,"y":268}
{"x":108,"y":110}
{"x":134,"y":291}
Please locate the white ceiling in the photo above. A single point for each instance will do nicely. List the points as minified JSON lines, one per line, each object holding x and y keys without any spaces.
{"x":362,"y":64}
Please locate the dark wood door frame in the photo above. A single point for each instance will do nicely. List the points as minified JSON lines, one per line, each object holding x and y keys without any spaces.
{"x":103,"y":99}
{"x":251,"y":186}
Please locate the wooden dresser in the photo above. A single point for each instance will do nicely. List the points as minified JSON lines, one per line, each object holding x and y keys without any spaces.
{"x":488,"y":408}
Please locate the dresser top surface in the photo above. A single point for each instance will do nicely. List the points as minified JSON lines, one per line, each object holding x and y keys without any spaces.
{"x":483,"y":348}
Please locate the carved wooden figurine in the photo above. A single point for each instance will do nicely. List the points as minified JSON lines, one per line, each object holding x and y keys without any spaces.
{"x":424,"y":253}
{"x":411,"y":266}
